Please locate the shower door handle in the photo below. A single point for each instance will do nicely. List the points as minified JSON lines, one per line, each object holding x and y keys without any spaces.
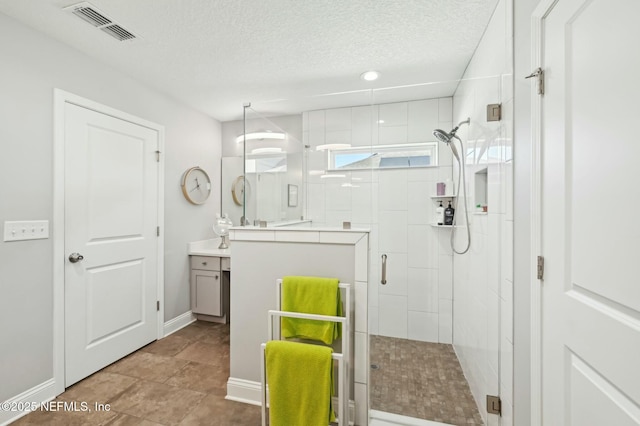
{"x":383,"y":281}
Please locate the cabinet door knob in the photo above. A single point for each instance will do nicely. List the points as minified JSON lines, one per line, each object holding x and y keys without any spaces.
{"x":204,"y":263}
{"x":216,"y":277}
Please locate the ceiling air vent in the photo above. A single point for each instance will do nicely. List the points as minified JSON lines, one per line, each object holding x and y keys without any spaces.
{"x":89,"y":13}
{"x":118,"y":32}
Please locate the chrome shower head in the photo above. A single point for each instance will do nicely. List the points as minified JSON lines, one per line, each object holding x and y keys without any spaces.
{"x":445,"y":137}
{"x":442,"y":136}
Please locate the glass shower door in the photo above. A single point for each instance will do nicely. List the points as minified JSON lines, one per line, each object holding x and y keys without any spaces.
{"x":410,"y":296}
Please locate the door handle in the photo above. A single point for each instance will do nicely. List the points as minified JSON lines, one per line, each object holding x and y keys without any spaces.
{"x":383,"y":281}
{"x":75,"y":257}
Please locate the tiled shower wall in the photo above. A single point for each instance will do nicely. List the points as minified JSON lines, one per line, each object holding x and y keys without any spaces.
{"x":396,"y":204}
{"x":483,"y":278}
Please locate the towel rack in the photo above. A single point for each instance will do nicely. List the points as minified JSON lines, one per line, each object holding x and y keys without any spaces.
{"x":342,"y":358}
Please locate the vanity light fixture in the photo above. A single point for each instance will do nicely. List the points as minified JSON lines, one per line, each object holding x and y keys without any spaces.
{"x":370,"y":75}
{"x":260,"y":136}
{"x":269,"y":150}
{"x":328,"y":146}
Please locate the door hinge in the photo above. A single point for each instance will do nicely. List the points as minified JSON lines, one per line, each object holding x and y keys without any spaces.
{"x":158,"y":231}
{"x":494,"y":405}
{"x":157,"y":305}
{"x":494,"y":112}
{"x":539,"y":74}
{"x":540,"y":267}
{"x":158,"y":156}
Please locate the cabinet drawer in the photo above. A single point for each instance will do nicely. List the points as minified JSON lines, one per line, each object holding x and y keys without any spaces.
{"x":225,"y":263}
{"x":206,"y":263}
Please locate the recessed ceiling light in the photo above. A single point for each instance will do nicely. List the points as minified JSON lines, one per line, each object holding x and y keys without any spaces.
{"x":370,"y":75}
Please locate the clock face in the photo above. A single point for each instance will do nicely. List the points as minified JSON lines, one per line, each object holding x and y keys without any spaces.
{"x":196,"y":185}
{"x":240,"y":190}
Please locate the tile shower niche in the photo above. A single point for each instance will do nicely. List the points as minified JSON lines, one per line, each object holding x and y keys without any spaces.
{"x":480,"y":183}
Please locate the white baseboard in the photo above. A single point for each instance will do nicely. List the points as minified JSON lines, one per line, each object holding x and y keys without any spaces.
{"x":178,"y":322}
{"x":246,"y":391}
{"x":33,"y":397}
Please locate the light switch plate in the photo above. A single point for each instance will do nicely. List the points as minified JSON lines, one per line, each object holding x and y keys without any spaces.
{"x":26,"y":230}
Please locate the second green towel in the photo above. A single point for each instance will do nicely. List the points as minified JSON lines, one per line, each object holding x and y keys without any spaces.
{"x":300,"y":383}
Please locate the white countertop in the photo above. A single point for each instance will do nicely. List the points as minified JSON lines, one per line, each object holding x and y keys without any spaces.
{"x":301,"y":228}
{"x":208,"y":248}
{"x":323,"y":235}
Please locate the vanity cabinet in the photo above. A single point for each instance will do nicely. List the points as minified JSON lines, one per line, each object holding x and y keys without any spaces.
{"x":206,"y":286}
{"x":209,"y":279}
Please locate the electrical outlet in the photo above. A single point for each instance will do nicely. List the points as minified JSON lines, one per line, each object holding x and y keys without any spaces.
{"x":26,"y":230}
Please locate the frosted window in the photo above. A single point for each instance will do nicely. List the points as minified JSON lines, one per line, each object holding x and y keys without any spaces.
{"x":384,"y":156}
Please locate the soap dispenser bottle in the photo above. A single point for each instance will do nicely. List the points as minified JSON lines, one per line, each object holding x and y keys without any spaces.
{"x":448,"y":214}
{"x":440,"y":214}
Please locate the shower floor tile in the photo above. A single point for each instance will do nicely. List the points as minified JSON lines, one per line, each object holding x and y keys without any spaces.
{"x":420,"y":379}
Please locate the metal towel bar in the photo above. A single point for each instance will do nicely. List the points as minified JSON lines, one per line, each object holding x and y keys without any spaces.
{"x":342,"y":358}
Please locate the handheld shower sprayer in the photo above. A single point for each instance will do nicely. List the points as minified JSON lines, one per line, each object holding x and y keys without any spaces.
{"x":447,"y":138}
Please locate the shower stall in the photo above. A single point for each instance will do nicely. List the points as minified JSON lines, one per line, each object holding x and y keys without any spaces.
{"x":440,"y":296}
{"x":377,"y":166}
{"x":386,"y":181}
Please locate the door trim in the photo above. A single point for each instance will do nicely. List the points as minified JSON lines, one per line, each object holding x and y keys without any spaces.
{"x":537,"y":33}
{"x":60,"y":98}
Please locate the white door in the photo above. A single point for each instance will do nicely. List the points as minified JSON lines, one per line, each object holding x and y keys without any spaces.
{"x":590,"y":202}
{"x":111,"y":219}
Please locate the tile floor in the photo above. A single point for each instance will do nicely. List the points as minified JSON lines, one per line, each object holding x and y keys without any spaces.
{"x":421,"y":380}
{"x":179,"y":380}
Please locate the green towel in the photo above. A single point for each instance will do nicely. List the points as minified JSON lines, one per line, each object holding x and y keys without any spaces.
{"x":300,"y":383}
{"x":312,"y":295}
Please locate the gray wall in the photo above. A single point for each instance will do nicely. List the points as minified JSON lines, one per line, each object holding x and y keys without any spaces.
{"x":32,"y":66}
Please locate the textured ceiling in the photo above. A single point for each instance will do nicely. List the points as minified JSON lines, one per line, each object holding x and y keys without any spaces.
{"x":284,"y":56}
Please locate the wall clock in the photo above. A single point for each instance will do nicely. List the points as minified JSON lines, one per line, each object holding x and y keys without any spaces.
{"x":240,"y":189}
{"x":196,"y":185}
